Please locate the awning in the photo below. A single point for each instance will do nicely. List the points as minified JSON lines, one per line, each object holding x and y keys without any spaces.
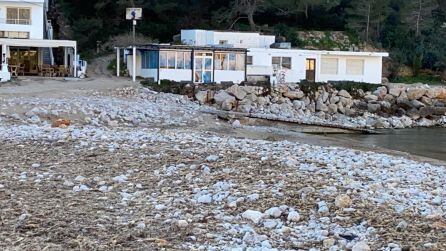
{"x":44,"y":43}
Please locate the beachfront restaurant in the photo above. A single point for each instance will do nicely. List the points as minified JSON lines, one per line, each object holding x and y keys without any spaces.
{"x":181,"y":63}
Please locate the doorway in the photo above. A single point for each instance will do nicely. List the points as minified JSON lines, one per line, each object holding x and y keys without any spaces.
{"x":310,"y":69}
{"x":203,"y":65}
{"x":28,"y":58}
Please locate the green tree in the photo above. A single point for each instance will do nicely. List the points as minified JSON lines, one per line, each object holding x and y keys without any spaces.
{"x":293,"y":7}
{"x":418,"y":15}
{"x":366,"y":17}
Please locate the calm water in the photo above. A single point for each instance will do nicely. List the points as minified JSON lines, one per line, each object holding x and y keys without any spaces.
{"x":428,"y":142}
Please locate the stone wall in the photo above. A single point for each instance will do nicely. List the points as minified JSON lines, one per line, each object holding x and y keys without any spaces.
{"x":393,"y":106}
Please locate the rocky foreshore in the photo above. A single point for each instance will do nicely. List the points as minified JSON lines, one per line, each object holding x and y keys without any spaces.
{"x":393,"y":106}
{"x":133,"y":169}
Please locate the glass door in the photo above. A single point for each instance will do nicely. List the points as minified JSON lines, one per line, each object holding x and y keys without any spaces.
{"x":203,"y":67}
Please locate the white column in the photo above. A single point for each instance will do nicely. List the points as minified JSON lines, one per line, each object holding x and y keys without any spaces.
{"x":118,"y":63}
{"x":134,"y":64}
{"x":65,"y":57}
{"x":75,"y":62}
{"x":4,"y":55}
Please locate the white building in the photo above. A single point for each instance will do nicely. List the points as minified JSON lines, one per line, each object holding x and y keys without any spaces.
{"x":292,"y":66}
{"x":224,"y":38}
{"x":183,"y":63}
{"x":262,"y":61}
{"x":26,"y":38}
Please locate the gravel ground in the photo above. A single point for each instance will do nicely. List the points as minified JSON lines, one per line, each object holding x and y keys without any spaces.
{"x":140,"y":170}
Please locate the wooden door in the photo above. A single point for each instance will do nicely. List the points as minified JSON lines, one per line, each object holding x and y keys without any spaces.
{"x":310,"y":69}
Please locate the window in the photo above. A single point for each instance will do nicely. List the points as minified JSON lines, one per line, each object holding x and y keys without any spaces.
{"x":187,"y":60}
{"x":221,"y":61}
{"x":329,"y":66}
{"x":18,"y":16}
{"x":232,"y":61}
{"x":14,"y":34}
{"x":229,"y":61}
{"x":175,"y":60}
{"x":286,"y":63}
{"x":282,"y":63}
{"x":163,"y":59}
{"x":249,"y":60}
{"x":180,"y":60}
{"x":240,"y":63}
{"x":355,"y":67}
{"x":171,"y":57}
{"x":310,"y":64}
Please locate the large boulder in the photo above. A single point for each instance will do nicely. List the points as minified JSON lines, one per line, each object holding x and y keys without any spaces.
{"x":202,"y":97}
{"x":440,"y":94}
{"x":294,"y":95}
{"x":346,"y":102}
{"x":344,"y":93}
{"x":332,"y":108}
{"x":371,"y":97}
{"x":237,"y":91}
{"x":373,"y":108}
{"x":396,"y":91}
{"x":225,"y":100}
{"x":380,"y":92}
{"x":415,"y":93}
{"x":320,"y":106}
{"x":417,"y":104}
{"x":428,"y":101}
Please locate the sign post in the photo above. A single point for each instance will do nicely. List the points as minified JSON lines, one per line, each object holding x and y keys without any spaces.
{"x":133,"y":14}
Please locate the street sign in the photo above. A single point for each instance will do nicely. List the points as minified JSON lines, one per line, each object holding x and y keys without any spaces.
{"x":133,"y":13}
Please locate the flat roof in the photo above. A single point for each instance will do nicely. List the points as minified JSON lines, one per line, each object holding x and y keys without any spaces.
{"x":231,"y":31}
{"x":322,"y":52}
{"x":188,"y":47}
{"x":44,"y":43}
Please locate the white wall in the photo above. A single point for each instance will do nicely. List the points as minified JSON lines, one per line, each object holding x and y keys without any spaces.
{"x":229,"y":76}
{"x":372,"y":70}
{"x":149,"y":73}
{"x":138,"y":64}
{"x":176,"y":74}
{"x":36,"y":28}
{"x":262,"y":65}
{"x":235,"y":39}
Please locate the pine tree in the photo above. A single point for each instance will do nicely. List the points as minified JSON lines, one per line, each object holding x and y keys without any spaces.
{"x":366,"y":17}
{"x":418,"y":15}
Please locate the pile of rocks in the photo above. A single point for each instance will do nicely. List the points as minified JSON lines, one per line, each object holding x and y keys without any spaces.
{"x":395,"y":106}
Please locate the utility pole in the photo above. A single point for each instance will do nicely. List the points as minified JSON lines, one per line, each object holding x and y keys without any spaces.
{"x":133,"y":14}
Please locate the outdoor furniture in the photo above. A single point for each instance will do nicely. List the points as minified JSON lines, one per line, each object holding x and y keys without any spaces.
{"x":21,"y":69}
{"x":14,"y":69}
{"x":60,"y":71}
{"x":34,"y":70}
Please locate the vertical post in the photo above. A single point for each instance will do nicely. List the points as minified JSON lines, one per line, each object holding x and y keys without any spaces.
{"x":65,"y":57}
{"x":4,"y":54}
{"x":118,"y":63}
{"x":134,"y":64}
{"x":134,"y":31}
{"x":75,"y":62}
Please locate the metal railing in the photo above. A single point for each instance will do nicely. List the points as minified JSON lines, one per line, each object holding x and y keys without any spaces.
{"x":15,"y":21}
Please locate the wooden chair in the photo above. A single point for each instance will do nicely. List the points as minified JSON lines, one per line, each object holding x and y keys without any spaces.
{"x":34,"y":70}
{"x":61,"y":71}
{"x":14,"y":70}
{"x":21,"y":69}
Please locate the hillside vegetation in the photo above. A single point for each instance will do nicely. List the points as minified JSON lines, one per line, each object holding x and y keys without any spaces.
{"x":413,"y":31}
